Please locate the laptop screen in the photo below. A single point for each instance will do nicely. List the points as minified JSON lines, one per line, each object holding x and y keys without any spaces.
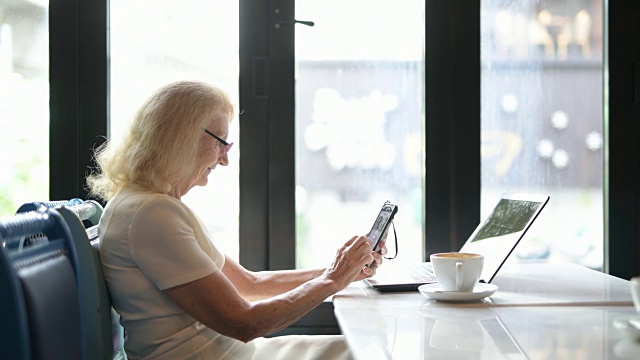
{"x":497,"y":236}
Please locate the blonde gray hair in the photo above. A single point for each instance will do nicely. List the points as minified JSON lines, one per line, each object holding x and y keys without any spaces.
{"x":161,"y":143}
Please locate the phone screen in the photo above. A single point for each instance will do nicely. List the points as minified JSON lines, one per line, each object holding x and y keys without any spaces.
{"x":381,"y":224}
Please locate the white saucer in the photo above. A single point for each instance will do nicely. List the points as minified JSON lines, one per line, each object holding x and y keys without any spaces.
{"x":480,"y":291}
{"x":630,"y":324}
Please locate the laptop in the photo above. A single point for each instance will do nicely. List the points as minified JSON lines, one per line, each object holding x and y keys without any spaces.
{"x":495,"y":238}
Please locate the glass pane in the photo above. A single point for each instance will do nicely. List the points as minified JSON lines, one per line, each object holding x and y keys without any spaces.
{"x":359,"y":124}
{"x":157,"y":42}
{"x":542,"y":121}
{"x":24,"y":103}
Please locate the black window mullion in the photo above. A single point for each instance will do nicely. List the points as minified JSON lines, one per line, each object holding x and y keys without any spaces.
{"x":254,"y":110}
{"x":78,"y":78}
{"x":452,"y":180}
{"x":281,"y":135}
{"x":267,"y":175}
{"x":622,"y":177}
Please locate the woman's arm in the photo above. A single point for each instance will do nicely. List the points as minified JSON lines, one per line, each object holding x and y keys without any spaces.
{"x":217,"y":303}
{"x":265,"y":284}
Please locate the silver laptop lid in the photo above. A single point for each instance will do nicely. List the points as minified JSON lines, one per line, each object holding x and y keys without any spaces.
{"x":499,"y":234}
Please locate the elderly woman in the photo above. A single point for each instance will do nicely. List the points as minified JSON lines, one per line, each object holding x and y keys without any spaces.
{"x":177,"y":294}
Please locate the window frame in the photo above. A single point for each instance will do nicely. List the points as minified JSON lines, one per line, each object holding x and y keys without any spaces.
{"x":622,"y":173}
{"x":267,"y":177}
{"x":453,"y":207}
{"x":79,"y":90}
{"x":452,"y":196}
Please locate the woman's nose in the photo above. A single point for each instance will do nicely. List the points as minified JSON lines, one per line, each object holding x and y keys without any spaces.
{"x":223,"y":159}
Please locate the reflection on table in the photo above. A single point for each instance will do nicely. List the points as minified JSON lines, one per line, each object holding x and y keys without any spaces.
{"x":532,"y":316}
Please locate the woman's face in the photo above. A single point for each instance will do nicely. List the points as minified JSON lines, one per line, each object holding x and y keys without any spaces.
{"x":211,"y":151}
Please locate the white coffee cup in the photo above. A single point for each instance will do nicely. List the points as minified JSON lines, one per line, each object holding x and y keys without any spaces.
{"x":457,"y":271}
{"x":635,"y":292}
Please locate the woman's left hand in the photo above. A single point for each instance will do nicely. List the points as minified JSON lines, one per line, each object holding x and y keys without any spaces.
{"x":369,"y":271}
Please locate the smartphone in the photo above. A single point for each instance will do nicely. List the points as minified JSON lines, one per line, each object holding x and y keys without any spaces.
{"x":381,"y":224}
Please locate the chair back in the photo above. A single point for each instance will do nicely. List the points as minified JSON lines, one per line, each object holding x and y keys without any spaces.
{"x":104,"y":334}
{"x":90,"y":216}
{"x":40,"y":300}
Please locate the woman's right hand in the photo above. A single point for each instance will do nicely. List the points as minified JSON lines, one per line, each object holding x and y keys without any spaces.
{"x":350,"y":260}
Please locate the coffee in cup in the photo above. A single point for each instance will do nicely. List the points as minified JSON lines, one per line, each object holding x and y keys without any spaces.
{"x":457,"y":271}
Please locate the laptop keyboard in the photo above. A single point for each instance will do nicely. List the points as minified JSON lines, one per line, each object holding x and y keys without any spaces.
{"x":421,"y":273}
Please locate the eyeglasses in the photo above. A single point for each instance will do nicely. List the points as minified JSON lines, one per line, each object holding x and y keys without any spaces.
{"x":227,"y":146}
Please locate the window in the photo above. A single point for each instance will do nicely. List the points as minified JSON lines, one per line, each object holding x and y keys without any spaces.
{"x":542,"y":127}
{"x":154,"y":43}
{"x":24,"y":103}
{"x":359,"y":124}
{"x":452,"y":106}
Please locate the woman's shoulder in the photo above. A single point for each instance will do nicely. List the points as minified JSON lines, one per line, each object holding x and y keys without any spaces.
{"x":135,"y":199}
{"x":135,"y":193}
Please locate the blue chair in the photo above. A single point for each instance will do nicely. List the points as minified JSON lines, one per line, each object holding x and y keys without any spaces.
{"x":89,"y":217}
{"x":33,"y":206}
{"x":40,"y":298}
{"x":35,"y":239}
{"x":103,"y":337}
